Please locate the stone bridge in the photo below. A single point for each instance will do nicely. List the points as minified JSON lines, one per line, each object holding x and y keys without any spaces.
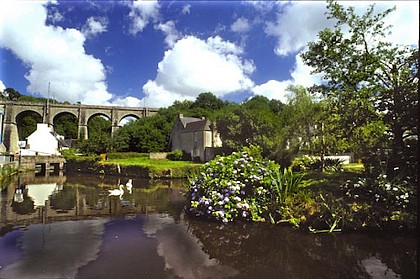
{"x":10,"y":111}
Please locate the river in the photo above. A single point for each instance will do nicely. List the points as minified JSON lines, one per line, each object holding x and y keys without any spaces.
{"x":69,"y":227}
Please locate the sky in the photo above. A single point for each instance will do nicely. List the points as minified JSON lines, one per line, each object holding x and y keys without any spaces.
{"x":152,"y":53}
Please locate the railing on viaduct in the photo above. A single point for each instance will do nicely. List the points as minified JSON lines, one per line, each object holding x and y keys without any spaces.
{"x":10,"y":111}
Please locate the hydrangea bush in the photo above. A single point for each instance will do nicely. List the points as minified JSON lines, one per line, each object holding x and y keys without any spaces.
{"x":378,"y":202}
{"x":242,"y":185}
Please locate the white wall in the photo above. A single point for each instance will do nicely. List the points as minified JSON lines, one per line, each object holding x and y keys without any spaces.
{"x":42,"y":142}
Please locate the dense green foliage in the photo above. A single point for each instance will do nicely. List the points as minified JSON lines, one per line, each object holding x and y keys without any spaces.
{"x":149,"y":134}
{"x":27,"y":123}
{"x":99,"y":134}
{"x":65,"y":124}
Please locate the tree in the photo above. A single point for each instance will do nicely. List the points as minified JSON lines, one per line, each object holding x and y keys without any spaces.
{"x":241,"y":126}
{"x":99,"y":136}
{"x":27,"y":123}
{"x":10,"y":94}
{"x":66,"y":125}
{"x":207,"y":100}
{"x":372,"y":86}
{"x":149,"y":134}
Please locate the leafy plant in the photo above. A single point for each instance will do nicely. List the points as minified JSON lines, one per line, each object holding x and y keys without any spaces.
{"x":176,"y":155}
{"x":285,"y":184}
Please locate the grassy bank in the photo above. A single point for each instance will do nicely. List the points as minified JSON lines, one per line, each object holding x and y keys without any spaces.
{"x":157,"y":168}
{"x":133,"y":165}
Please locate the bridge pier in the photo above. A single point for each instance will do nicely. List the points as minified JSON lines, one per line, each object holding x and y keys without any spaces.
{"x":10,"y":135}
{"x":83,"y":132}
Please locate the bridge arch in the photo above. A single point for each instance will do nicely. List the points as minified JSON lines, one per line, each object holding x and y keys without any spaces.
{"x":66,"y":123}
{"x":31,"y":117}
{"x":127,"y":115}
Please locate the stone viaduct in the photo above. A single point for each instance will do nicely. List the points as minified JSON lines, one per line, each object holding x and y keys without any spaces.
{"x":11,"y":110}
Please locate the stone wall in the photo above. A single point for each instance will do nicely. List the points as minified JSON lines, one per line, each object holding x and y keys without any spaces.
{"x":158,"y":155}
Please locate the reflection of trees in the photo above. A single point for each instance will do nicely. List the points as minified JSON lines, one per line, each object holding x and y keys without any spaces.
{"x":94,"y":198}
{"x":64,"y":199}
{"x":25,"y":207}
{"x":264,"y":251}
{"x":157,"y":198}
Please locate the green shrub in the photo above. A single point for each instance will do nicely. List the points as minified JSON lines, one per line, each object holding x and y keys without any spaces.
{"x":68,"y":153}
{"x":242,"y":185}
{"x":176,"y":155}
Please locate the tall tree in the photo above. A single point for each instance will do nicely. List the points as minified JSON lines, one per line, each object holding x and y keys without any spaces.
{"x":10,"y":94}
{"x":372,"y":86}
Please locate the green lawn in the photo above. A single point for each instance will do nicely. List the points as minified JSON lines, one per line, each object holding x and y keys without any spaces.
{"x":144,"y":161}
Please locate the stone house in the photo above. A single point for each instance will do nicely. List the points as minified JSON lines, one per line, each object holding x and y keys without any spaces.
{"x":195,"y":136}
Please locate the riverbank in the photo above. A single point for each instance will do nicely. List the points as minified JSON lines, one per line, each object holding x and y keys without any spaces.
{"x":138,"y":167}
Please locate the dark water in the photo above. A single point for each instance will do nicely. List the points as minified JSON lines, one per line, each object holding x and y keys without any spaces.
{"x":69,"y":227}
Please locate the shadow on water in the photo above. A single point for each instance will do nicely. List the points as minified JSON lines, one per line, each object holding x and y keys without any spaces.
{"x":71,"y":227}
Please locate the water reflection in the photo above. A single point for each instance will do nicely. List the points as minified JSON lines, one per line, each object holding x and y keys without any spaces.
{"x":70,"y":227}
{"x":54,"y":250}
{"x":182,"y":252}
{"x":36,"y":199}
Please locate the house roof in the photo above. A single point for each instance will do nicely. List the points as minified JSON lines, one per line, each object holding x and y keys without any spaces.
{"x":200,"y":125}
{"x":185,"y":120}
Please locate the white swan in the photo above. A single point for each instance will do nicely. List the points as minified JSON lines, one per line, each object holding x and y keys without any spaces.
{"x":129,"y":185}
{"x":117,"y":192}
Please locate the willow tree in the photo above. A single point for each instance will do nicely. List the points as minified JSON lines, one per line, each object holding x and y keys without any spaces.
{"x":371,"y":84}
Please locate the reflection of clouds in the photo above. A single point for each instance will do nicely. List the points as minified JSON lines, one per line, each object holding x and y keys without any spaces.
{"x":56,"y":250}
{"x":182,"y":251}
{"x":377,"y":269}
{"x":40,"y":192}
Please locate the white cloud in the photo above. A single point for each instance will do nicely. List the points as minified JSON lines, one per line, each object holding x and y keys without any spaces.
{"x":128,"y":102}
{"x":2,"y":86}
{"x":295,"y":28}
{"x":300,"y":21}
{"x":241,"y":25}
{"x":301,"y":75}
{"x":194,"y":66}
{"x":52,"y":54}
{"x":186,"y":9}
{"x":168,"y":28}
{"x":273,"y":89}
{"x":55,"y":16}
{"x":142,"y":12}
{"x":405,"y":21}
{"x":297,"y":24}
{"x":94,"y":26}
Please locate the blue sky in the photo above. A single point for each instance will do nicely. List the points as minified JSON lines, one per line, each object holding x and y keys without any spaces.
{"x":136,"y":53}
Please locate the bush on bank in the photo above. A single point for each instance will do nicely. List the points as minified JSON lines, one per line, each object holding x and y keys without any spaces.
{"x":241,"y":186}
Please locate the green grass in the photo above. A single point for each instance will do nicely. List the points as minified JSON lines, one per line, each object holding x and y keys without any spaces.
{"x":156,"y":164}
{"x":354,"y":167}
